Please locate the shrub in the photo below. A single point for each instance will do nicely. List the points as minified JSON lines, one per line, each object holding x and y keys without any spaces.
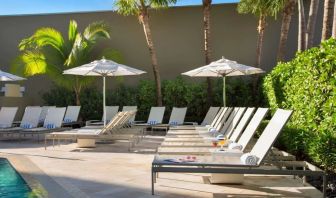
{"x":146,"y":98}
{"x":307,"y":84}
{"x":59,"y":97}
{"x":177,"y":92}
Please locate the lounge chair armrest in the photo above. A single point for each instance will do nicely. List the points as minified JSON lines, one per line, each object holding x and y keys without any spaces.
{"x":190,"y":123}
{"x":138,"y":122}
{"x":16,"y":123}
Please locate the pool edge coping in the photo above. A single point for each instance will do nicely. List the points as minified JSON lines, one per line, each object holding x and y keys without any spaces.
{"x":46,"y":185}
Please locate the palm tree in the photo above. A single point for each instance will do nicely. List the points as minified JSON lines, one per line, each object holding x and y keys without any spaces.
{"x":334,"y":23}
{"x":288,"y":12}
{"x":48,"y":52}
{"x":140,"y":8}
{"x":262,"y":9}
{"x":207,"y":46}
{"x":314,"y":4}
{"x":302,"y":27}
{"x":327,"y":19}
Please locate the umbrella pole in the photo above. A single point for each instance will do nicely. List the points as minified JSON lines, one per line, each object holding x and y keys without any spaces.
{"x":104,"y":102}
{"x":224,"y":102}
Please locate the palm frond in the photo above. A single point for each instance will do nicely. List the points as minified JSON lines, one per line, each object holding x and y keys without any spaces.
{"x":128,"y":7}
{"x":73,"y":31}
{"x":261,"y":7}
{"x":46,"y":37}
{"x":96,"y":31}
{"x":161,"y":3}
{"x":29,"y":63}
{"x":79,"y":52}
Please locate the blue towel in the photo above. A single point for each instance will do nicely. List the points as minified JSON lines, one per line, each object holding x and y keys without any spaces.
{"x":67,"y":120}
{"x":27,"y":126}
{"x":174,"y":123}
{"x":152,"y":122}
{"x":49,"y":126}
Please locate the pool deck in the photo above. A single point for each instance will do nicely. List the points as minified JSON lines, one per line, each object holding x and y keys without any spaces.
{"x":111,"y":171}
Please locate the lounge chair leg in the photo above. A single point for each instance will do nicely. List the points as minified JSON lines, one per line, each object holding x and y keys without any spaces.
{"x":304,"y":178}
{"x":153,"y":178}
{"x":45,"y":143}
{"x":294,"y":168}
{"x":324,"y":185}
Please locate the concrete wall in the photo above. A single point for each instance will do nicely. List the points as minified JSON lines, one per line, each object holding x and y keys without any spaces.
{"x":177,"y":34}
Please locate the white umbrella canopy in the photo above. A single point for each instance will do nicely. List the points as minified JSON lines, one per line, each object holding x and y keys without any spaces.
{"x":4,"y":76}
{"x":223,"y":68}
{"x":104,"y":68}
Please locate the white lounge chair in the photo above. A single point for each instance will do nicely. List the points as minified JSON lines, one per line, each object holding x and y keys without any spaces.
{"x":130,"y":108}
{"x":208,"y":119}
{"x":52,"y":122}
{"x":111,"y":111}
{"x":44,"y":114}
{"x":71,"y":116}
{"x":7,"y":115}
{"x":210,"y":116}
{"x":242,"y":163}
{"x":176,"y":118}
{"x":155,"y":117}
{"x":87,"y":137}
{"x":30,"y":119}
{"x":202,"y":143}
{"x":224,"y":126}
{"x":196,"y":149}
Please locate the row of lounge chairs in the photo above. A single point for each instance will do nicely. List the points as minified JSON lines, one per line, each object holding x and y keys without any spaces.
{"x":119,"y":128}
{"x":37,"y":120}
{"x":189,"y":149}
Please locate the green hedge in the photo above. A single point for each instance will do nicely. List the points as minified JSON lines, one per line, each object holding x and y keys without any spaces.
{"x":177,"y":92}
{"x":307,"y":84}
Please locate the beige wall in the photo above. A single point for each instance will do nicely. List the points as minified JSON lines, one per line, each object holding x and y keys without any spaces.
{"x":177,"y":33}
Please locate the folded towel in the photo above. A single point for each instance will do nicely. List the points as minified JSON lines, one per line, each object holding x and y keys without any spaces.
{"x":212,"y":130}
{"x":249,"y":159}
{"x":235,"y":146}
{"x":220,"y":137}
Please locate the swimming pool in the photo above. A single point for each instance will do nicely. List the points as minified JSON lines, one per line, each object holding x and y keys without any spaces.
{"x":12,"y":184}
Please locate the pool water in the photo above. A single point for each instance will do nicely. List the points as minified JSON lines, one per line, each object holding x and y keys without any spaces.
{"x":12,"y":184}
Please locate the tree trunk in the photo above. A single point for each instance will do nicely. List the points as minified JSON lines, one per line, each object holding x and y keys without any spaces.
{"x":334,"y":23}
{"x":77,"y":98}
{"x":144,"y":19}
{"x":261,"y":31}
{"x":260,"y":41}
{"x":314,"y":4}
{"x":77,"y":88}
{"x":327,"y":19}
{"x":207,"y":45}
{"x":286,"y":20}
{"x":302,"y":27}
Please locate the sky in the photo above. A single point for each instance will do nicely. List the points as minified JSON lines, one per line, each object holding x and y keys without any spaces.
{"x":18,"y":7}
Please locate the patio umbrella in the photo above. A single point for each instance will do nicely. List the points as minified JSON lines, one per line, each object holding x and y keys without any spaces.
{"x":104,"y":68}
{"x":4,"y":76}
{"x":223,"y":68}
